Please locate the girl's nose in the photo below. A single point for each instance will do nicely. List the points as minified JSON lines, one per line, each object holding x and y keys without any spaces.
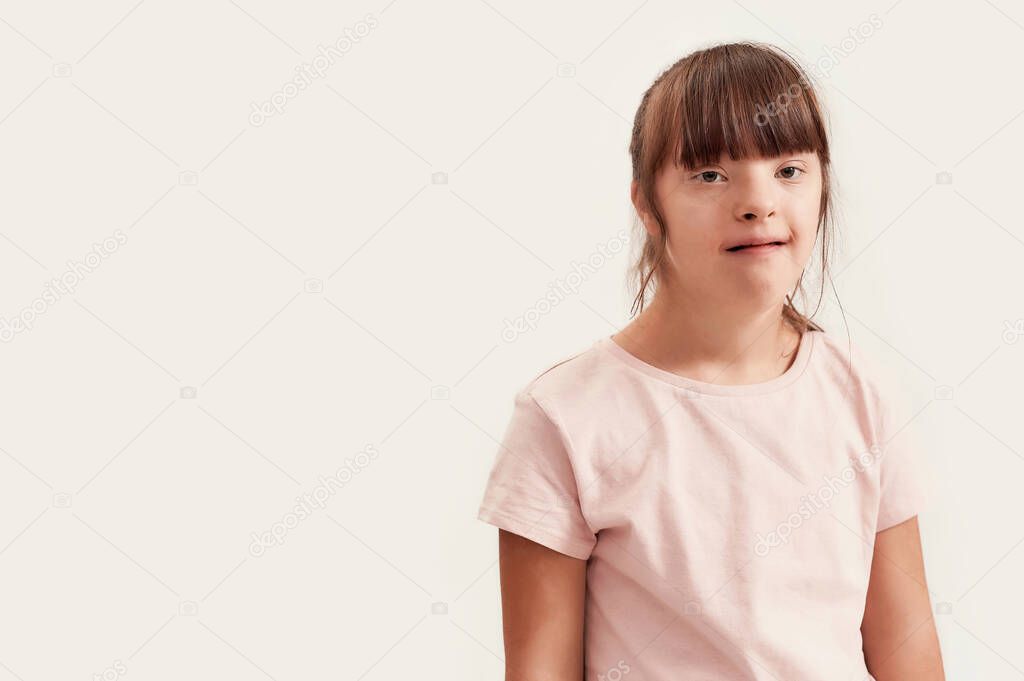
{"x":755,"y":201}
{"x":749,"y":216}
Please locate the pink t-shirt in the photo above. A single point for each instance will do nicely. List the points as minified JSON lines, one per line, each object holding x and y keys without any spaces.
{"x":728,"y":529}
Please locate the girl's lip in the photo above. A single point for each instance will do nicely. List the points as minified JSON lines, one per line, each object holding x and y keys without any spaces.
{"x":765,"y":242}
{"x":763,"y":248}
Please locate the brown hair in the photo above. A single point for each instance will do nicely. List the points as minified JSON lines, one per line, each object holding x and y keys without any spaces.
{"x":750,"y":100}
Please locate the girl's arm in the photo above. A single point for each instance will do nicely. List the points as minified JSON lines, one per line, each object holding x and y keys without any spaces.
{"x":898,"y":631}
{"x":542,"y":601}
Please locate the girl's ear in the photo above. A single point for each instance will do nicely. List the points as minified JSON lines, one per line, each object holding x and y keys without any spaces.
{"x":650,"y":224}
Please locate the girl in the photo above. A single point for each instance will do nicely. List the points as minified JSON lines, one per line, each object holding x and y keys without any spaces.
{"x":719,"y":490}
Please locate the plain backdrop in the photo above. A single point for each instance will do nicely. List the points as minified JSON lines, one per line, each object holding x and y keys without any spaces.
{"x":269,"y":292}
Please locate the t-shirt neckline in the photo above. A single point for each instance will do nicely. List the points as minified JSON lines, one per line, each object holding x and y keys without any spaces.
{"x":795,"y":370}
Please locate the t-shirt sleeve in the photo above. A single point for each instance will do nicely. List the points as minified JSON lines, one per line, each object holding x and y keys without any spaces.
{"x":907,"y":481}
{"x":532,"y":490}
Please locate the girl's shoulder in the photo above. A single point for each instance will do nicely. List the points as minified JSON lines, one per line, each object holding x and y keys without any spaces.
{"x":572,"y":371}
{"x":847,"y":361}
{"x":868,"y":380}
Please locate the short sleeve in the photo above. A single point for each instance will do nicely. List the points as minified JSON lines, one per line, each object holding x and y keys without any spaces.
{"x":532,"y":490}
{"x":907,"y":481}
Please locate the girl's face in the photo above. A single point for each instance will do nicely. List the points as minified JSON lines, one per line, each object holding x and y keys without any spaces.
{"x":715,"y":208}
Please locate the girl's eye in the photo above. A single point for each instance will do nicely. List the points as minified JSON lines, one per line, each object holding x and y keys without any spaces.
{"x":711,"y":176}
{"x":708,"y":176}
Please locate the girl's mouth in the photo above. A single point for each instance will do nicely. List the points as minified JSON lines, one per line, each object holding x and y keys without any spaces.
{"x":761,"y":248}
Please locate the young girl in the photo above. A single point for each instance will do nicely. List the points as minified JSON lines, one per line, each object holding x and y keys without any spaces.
{"x":720,"y":490}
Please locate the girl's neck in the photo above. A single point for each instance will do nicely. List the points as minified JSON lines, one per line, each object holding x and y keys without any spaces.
{"x":712,"y":344}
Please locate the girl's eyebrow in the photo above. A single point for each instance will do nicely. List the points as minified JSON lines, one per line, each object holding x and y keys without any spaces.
{"x":803,"y":157}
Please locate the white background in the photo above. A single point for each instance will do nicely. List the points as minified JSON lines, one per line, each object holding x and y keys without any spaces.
{"x":293,"y":293}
